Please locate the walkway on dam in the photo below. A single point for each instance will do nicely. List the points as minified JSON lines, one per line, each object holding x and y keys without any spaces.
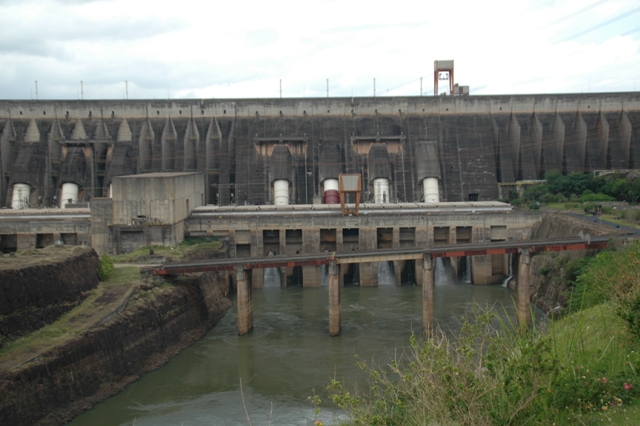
{"x":523,"y":249}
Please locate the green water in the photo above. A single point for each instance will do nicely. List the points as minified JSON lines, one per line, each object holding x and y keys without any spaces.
{"x":287,"y":357}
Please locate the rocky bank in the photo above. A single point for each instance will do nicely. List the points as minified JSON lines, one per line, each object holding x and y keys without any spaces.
{"x":552,"y":272}
{"x":158,"y":321}
{"x":37,"y":286}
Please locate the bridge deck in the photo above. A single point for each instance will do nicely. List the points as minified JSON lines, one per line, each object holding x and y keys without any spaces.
{"x":404,"y":253}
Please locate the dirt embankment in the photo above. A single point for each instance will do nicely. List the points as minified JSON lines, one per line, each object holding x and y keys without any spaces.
{"x":159,"y":321}
{"x":38,"y":286}
{"x":551,"y":272}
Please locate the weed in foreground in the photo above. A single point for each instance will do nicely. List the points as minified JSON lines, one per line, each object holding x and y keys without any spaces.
{"x":494,"y":376}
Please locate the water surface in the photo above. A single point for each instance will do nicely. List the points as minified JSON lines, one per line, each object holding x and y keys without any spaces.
{"x":287,"y":357}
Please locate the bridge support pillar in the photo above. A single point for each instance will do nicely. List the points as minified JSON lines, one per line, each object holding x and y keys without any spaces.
{"x":427,"y":295}
{"x":334,"y":299}
{"x":283,"y":277}
{"x":245,"y":304}
{"x":523,"y":319}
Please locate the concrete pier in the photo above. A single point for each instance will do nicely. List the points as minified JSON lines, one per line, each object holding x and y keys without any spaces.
{"x":334,"y":299}
{"x":427,"y":295}
{"x":245,"y":304}
{"x":523,"y":314}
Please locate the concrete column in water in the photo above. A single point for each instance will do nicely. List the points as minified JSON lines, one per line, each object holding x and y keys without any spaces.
{"x":523,"y":315}
{"x":334,"y":298}
{"x":427,"y":295}
{"x":245,"y":304}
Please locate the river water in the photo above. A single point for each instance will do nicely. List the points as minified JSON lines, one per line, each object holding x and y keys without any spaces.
{"x":288,"y":356}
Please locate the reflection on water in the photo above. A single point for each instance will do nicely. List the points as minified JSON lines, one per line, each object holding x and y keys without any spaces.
{"x":287,"y":356}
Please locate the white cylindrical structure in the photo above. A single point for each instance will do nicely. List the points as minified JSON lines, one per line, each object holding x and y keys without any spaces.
{"x":69,"y":194}
{"x":331,"y":191}
{"x":381,"y":191}
{"x":21,"y":194}
{"x":281,"y":192}
{"x":110,"y":190}
{"x":431,"y":193}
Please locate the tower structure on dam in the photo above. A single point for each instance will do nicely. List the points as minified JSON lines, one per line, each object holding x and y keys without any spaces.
{"x":290,"y":151}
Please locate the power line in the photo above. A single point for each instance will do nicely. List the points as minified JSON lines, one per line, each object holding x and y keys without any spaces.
{"x":630,"y":32}
{"x":600,"y":25}
{"x":572,"y":14}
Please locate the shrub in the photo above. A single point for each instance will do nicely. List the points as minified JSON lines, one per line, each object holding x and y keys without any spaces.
{"x":498,"y":377}
{"x":590,"y":288}
{"x":551,"y":198}
{"x":590,"y":198}
{"x":204,"y":239}
{"x":105,"y":269}
{"x":481,"y":378}
{"x":591,"y":208}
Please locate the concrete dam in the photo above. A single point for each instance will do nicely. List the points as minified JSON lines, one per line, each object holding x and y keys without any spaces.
{"x":263,"y":174}
{"x":258,"y":152}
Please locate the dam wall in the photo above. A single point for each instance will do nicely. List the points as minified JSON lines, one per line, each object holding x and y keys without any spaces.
{"x":243,"y":146}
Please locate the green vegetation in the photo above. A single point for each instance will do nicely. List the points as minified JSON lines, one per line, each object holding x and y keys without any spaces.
{"x":105,"y":269}
{"x":578,"y":187}
{"x":188,"y":249}
{"x":125,"y":275}
{"x":582,"y":370}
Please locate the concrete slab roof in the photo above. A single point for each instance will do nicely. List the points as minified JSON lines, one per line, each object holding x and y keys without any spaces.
{"x":156,"y":175}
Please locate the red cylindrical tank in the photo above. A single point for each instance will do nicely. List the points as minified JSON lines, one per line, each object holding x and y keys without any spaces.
{"x":331,"y":197}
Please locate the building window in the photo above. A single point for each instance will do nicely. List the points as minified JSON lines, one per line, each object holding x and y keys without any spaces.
{"x":473,"y":196}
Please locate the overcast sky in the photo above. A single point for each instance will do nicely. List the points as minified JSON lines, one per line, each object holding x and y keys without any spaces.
{"x":241,"y":49}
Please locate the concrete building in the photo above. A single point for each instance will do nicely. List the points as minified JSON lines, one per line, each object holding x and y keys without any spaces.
{"x":144,"y":210}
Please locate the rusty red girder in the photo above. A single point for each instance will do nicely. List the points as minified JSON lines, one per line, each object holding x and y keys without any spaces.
{"x":564,"y":247}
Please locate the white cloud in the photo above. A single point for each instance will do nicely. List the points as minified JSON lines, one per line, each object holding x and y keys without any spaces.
{"x":242,"y":49}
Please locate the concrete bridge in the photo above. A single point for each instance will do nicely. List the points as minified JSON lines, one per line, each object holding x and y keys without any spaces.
{"x":243,"y":268}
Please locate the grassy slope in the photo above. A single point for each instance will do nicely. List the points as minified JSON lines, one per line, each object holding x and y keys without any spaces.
{"x":577,"y":208}
{"x":595,"y":343}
